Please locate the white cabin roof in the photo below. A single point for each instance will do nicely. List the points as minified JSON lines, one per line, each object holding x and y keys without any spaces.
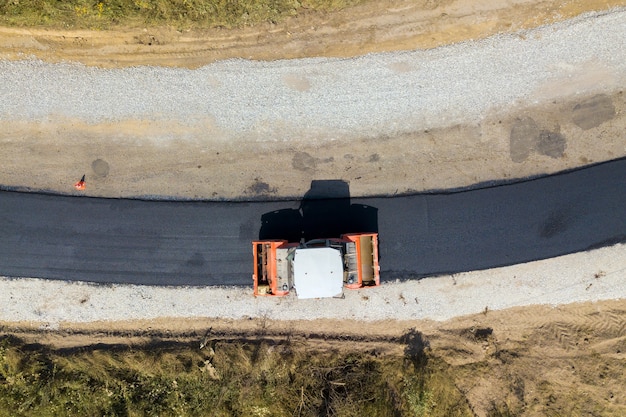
{"x":318,"y":272}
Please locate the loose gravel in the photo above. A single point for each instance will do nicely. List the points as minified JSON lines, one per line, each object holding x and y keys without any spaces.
{"x":368,"y":96}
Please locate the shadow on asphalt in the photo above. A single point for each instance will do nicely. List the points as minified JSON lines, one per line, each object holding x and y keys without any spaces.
{"x":209,"y":243}
{"x":324,"y":212}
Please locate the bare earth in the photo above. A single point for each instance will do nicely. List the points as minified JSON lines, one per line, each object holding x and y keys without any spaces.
{"x":538,"y":359}
{"x":580,"y":349}
{"x":582,"y":110}
{"x":377,"y":26}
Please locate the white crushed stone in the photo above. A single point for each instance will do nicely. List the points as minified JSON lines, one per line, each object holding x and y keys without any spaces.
{"x":589,"y":276}
{"x":321,"y":98}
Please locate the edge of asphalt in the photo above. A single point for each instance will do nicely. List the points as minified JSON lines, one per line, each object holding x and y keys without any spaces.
{"x":264,"y":199}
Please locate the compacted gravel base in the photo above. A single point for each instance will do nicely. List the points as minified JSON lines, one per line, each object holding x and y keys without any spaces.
{"x":591,"y":276}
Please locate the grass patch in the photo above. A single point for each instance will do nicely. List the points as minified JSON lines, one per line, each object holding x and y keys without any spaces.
{"x":229,"y":378}
{"x":181,"y":14}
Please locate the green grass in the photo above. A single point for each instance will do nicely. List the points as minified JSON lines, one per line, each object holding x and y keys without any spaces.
{"x":264,"y":378}
{"x":105,"y":14}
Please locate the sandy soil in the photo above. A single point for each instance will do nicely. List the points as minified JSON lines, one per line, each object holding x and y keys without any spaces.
{"x":121,"y":160}
{"x":382,"y":25}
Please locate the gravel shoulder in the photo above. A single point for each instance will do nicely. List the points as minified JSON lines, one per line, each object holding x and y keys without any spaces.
{"x":591,"y":276}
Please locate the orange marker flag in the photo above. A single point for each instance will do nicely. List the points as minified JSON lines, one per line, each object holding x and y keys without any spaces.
{"x":80,"y":185}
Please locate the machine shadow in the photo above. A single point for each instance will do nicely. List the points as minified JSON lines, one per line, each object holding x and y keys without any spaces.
{"x":325,"y":212}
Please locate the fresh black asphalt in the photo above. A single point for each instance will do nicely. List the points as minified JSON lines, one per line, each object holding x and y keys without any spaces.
{"x":209,"y":243}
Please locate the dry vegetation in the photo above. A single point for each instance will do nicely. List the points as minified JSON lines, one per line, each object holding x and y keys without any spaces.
{"x":260,"y":377}
{"x":181,"y":14}
{"x":532,"y":361}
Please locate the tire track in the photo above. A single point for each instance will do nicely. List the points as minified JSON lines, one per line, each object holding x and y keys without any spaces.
{"x":578,"y":326}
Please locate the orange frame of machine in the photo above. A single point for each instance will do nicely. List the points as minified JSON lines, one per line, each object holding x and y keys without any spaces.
{"x":268,"y":256}
{"x":265,"y":263}
{"x":356,"y":238}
